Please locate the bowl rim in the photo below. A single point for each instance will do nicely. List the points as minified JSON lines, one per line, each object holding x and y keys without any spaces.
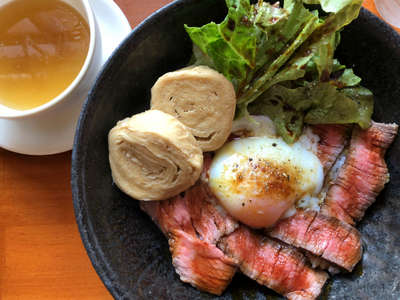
{"x":79,"y":151}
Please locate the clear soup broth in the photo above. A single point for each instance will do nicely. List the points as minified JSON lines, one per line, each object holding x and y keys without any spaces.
{"x":43,"y":46}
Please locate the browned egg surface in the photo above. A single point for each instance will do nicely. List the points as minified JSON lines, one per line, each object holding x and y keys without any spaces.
{"x":258,"y":179}
{"x":268,"y":179}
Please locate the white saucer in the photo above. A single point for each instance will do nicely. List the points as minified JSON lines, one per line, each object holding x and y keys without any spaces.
{"x":53,"y":131}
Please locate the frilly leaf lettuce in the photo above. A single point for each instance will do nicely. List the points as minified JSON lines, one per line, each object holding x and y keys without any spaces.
{"x":286,"y":55}
{"x":352,"y":105}
{"x":262,"y":83}
{"x":230,"y":46}
{"x":295,"y":69}
{"x":323,"y":51}
{"x":288,"y":118}
{"x":281,"y":27}
{"x":210,"y":41}
{"x":239,"y":31}
{"x":273,"y":33}
{"x":317,"y":103}
{"x":326,"y":37}
{"x":340,"y":76}
{"x":345,"y":78}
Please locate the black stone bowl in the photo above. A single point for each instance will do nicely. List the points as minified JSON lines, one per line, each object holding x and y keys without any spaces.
{"x":127,"y":250}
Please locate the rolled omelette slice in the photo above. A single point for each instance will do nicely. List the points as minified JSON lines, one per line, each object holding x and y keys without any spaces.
{"x":153,"y":156}
{"x":202,"y":99}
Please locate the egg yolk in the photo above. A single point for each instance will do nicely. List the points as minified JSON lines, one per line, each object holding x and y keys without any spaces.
{"x":258,"y":179}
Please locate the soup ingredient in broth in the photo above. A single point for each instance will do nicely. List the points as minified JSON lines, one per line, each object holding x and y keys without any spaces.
{"x":43,"y":46}
{"x":153,"y":156}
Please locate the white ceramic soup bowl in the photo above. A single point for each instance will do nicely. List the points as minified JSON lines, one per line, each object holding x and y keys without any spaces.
{"x":49,"y":128}
{"x":83,"y":7}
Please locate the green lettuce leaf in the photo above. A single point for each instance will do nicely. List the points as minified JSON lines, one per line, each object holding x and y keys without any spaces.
{"x":281,"y":62}
{"x":200,"y":59}
{"x":340,"y":76}
{"x":346,"y":78}
{"x":261,"y":84}
{"x":294,"y":71}
{"x":319,"y":38}
{"x":276,"y":104}
{"x":210,"y":41}
{"x":281,"y":27}
{"x":323,"y":55}
{"x":317,"y":103}
{"x":325,"y":39}
{"x":239,"y":31}
{"x":230,"y":46}
{"x":352,"y":105}
{"x":254,"y":40}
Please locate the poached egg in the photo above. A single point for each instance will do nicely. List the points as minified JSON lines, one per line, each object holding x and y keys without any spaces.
{"x":258,"y":179}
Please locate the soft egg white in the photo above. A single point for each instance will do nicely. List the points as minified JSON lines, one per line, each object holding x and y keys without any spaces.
{"x":259,"y":179}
